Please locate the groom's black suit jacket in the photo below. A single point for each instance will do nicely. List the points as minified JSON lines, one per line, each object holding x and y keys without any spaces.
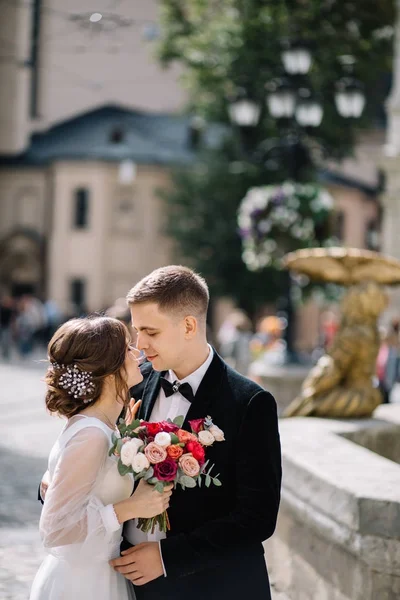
{"x":214,"y":548}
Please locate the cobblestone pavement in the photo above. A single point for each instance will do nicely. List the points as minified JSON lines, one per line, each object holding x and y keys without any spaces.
{"x":27,"y":433}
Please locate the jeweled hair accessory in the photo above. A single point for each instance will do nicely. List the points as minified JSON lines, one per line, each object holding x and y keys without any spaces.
{"x":75,"y":381}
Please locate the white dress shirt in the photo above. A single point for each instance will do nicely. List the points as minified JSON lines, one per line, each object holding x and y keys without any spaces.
{"x":168,"y":408}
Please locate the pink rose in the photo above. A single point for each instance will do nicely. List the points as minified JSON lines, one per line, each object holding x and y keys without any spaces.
{"x":166,"y":470}
{"x":189,"y":465}
{"x":155,"y":453}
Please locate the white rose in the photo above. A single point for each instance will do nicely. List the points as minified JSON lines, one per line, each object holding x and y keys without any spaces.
{"x":129,"y":450}
{"x":217,"y":433}
{"x":140,"y":462}
{"x":162,"y":439}
{"x":206,"y":438}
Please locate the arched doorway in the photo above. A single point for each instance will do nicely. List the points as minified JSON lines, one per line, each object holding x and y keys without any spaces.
{"x":22,"y":263}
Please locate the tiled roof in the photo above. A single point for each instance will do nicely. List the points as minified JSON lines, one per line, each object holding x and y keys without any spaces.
{"x":145,"y":138}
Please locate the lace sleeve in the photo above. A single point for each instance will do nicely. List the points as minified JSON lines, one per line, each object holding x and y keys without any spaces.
{"x":73,"y":520}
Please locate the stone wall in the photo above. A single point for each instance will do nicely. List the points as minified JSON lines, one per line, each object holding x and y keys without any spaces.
{"x":338,"y":533}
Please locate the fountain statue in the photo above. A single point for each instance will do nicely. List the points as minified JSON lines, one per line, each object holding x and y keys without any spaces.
{"x":342,"y":383}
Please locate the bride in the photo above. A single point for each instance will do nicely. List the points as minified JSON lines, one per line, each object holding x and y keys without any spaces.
{"x":92,"y":367}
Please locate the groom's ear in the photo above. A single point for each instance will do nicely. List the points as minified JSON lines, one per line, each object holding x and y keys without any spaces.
{"x":191,"y":327}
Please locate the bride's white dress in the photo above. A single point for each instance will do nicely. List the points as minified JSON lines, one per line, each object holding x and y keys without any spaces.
{"x":78,"y":524}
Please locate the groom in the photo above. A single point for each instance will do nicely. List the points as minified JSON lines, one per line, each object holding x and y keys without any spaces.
{"x":214,"y":547}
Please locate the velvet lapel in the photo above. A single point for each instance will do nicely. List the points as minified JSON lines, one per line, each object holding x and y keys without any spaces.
{"x":150,"y":394}
{"x":210,"y":389}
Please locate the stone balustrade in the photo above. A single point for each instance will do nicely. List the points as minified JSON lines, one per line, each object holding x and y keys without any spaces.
{"x":338,"y":533}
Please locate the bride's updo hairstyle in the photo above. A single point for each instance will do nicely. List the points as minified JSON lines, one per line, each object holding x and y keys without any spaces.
{"x":82,"y":353}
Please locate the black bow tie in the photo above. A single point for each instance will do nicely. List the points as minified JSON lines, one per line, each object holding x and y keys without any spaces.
{"x":171,"y":388}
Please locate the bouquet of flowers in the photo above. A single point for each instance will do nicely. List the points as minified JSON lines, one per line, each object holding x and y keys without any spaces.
{"x":163,"y":453}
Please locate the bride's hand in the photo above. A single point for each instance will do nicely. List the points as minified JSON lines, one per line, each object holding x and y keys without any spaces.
{"x":148,"y":502}
{"x":133,"y":410}
{"x":144,"y":503}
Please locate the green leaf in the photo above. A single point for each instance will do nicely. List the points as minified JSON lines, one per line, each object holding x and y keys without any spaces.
{"x":174,"y":438}
{"x":149,"y":474}
{"x":217,"y":482}
{"x":199,"y":480}
{"x":187,"y":481}
{"x":179,"y":420}
{"x":119,"y":445}
{"x":111,"y":450}
{"x":208,"y":480}
{"x":203,"y":468}
{"x":159,"y":487}
{"x":152,"y":480}
{"x":134,"y":424}
{"x":123,"y":469}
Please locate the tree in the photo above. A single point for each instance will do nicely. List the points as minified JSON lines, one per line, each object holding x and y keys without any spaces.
{"x":202,"y":217}
{"x":226,"y":46}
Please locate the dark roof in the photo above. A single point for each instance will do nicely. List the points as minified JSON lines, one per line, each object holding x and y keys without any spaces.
{"x":145,"y":138}
{"x":326,"y":176}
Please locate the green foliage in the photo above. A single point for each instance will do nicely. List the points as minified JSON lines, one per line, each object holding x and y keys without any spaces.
{"x":227,"y":44}
{"x":178,"y":421}
{"x":202,"y":217}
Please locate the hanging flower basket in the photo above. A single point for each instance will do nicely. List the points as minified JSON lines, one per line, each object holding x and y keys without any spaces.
{"x":276,"y":219}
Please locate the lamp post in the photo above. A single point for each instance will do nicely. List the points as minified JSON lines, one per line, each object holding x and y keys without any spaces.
{"x":291,"y":101}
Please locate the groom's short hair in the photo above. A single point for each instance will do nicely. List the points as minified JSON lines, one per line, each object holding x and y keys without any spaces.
{"x":175,"y":289}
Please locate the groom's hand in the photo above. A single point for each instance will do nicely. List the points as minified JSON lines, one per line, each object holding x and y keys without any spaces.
{"x":140,"y":564}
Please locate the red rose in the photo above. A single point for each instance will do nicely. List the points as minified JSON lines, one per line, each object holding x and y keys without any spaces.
{"x":152,"y":428}
{"x":196,"y":425}
{"x":197,"y":451}
{"x":168,"y":427}
{"x":166,"y":470}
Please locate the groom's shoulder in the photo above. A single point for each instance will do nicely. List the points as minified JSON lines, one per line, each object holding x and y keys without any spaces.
{"x":242,"y":386}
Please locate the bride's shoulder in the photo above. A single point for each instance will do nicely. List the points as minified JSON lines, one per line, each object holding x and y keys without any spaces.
{"x":82,"y":429}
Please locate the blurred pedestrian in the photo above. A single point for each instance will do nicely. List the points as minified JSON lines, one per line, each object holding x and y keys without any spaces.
{"x":268,"y":344}
{"x":329,"y":327}
{"x":53,"y":319}
{"x":234,"y":341}
{"x":7,"y":314}
{"x":388,"y":363}
{"x":29,"y":324}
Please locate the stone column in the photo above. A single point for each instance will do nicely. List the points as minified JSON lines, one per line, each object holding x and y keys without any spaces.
{"x":391,"y":165}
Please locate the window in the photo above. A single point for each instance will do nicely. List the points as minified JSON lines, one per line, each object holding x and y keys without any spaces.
{"x":116,"y":135}
{"x":81,"y":208}
{"x":338,"y":227}
{"x":372,"y":237}
{"x":78,"y":295}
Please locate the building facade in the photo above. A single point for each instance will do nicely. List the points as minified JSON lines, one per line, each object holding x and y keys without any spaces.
{"x":56,"y":63}
{"x":82,"y":99}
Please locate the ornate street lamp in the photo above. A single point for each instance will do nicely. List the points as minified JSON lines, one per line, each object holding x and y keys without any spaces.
{"x":280,"y":99}
{"x":309,"y":111}
{"x":291,"y":101}
{"x":244,"y":112}
{"x":296,"y":58}
{"x":349,"y":98}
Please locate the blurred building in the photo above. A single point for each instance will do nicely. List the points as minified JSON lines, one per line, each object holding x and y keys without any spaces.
{"x":81,"y":219}
{"x":87,"y":137}
{"x":59,"y":60}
